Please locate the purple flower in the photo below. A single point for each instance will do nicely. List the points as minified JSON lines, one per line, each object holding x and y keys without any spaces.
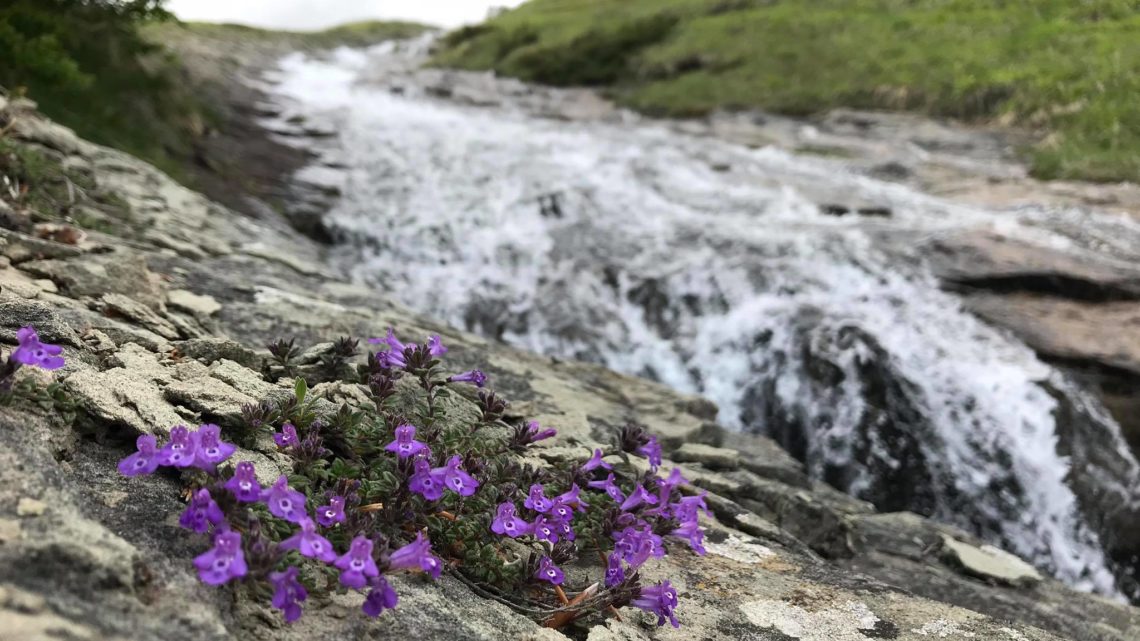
{"x":426,"y":482}
{"x":545,"y":529}
{"x":417,"y":555}
{"x":455,"y":478}
{"x":405,"y":444}
{"x":393,"y":342}
{"x":243,"y":484}
{"x":180,"y":451}
{"x":610,"y":488}
{"x":686,"y":508}
{"x":564,"y":529}
{"x":223,"y":562}
{"x":32,"y":352}
{"x":283,"y":502}
{"x":394,"y":356}
{"x":288,"y":593}
{"x":144,"y":461}
{"x":211,"y":449}
{"x":652,"y":451}
{"x":201,"y":513}
{"x":561,"y":511}
{"x":637,"y":546}
{"x":309,"y":543}
{"x":615,"y":574}
{"x":547,"y":571}
{"x":357,"y":566}
{"x":287,"y":437}
{"x":381,"y":597}
{"x":435,"y":346}
{"x":638,"y":497}
{"x":333,"y":513}
{"x":595,"y":462}
{"x":508,"y":523}
{"x":666,"y":486}
{"x":572,"y":499}
{"x":535,"y":433}
{"x":475,"y":377}
{"x":537,"y":500}
{"x":659,"y":599}
{"x":692,"y":531}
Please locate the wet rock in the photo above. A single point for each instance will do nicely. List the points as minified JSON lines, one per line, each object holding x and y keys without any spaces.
{"x":885,"y":452}
{"x":995,"y":263}
{"x":1068,"y":330}
{"x":989,"y":563}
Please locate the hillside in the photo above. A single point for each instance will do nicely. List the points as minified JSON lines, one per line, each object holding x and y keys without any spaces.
{"x":115,"y":73}
{"x":1066,"y":71}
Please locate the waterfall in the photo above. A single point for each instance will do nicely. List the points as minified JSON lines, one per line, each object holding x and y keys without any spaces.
{"x":710,"y":267}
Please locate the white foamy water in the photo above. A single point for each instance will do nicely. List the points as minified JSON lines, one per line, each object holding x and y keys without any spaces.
{"x":709,"y":267}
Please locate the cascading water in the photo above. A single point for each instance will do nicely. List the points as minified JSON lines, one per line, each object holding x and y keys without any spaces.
{"x":708,"y":266}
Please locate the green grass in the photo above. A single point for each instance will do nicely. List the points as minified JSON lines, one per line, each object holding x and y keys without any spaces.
{"x":1067,"y":69}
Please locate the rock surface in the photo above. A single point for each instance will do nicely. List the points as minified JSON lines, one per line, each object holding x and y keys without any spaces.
{"x":88,"y":554}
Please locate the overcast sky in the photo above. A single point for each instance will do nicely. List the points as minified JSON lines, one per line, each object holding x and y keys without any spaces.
{"x":318,"y":14}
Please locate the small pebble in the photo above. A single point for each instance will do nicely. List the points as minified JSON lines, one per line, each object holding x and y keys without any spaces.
{"x":30,"y":507}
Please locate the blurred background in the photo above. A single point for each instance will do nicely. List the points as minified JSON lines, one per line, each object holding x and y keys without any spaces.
{"x":898,"y":237}
{"x":320,"y":14}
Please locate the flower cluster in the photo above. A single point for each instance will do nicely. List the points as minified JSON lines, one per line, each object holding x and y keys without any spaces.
{"x":31,"y":352}
{"x":415,"y":481}
{"x":361,"y":566}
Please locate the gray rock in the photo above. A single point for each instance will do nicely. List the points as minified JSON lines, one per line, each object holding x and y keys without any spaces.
{"x":209,"y":396}
{"x":193,"y":303}
{"x":139,"y":313}
{"x":100,"y":274}
{"x":717,"y":458}
{"x":989,"y":563}
{"x":19,"y":248}
{"x":16,"y":312}
{"x":211,"y":349}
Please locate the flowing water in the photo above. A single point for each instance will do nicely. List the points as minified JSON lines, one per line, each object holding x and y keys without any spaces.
{"x":709,"y":266}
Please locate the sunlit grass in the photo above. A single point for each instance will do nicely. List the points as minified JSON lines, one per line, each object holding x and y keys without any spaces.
{"x":1070,"y":70}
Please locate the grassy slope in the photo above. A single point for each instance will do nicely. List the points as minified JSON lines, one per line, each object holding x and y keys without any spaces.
{"x":159,"y":118}
{"x":1069,"y":69}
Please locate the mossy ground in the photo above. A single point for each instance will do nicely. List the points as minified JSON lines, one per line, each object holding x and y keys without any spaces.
{"x":1069,"y":70}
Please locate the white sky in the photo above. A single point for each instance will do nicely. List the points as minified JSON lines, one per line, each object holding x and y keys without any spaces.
{"x":318,"y":14}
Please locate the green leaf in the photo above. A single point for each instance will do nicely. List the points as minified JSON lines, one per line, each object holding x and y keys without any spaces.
{"x":300,"y":389}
